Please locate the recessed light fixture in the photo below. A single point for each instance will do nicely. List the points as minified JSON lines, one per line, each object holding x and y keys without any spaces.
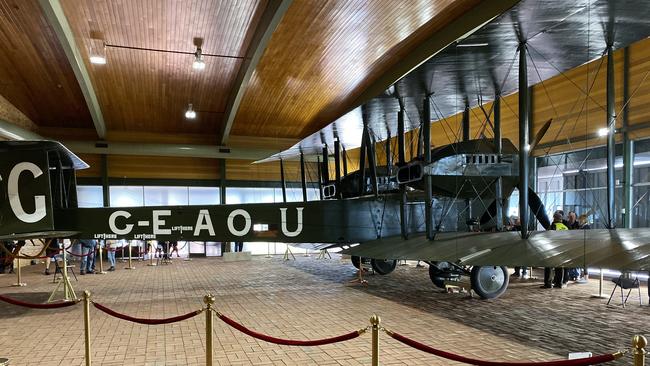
{"x":98,"y":53}
{"x":98,"y":60}
{"x":603,"y":132}
{"x":190,"y":113}
{"x":198,"y":63}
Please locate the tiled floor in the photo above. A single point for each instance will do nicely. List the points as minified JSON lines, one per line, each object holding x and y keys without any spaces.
{"x":306,"y":299}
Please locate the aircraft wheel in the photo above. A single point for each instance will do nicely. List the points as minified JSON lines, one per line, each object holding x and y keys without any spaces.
{"x":356,"y":261}
{"x":383,"y":266}
{"x":435,"y":274}
{"x":489,"y":282}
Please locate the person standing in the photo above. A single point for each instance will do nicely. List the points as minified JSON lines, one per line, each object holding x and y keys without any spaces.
{"x":239,"y":246}
{"x":110,"y":254}
{"x":559,"y":271}
{"x":87,"y":252}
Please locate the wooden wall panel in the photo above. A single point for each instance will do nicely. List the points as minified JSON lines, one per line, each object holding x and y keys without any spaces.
{"x":125,"y":166}
{"x":95,"y":162}
{"x":244,"y":170}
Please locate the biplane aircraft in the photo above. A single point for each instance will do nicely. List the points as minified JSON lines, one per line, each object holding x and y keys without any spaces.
{"x":385,"y":213}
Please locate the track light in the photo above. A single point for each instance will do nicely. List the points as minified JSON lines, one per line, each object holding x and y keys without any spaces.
{"x":98,"y":60}
{"x":198,"y":63}
{"x":190,"y":113}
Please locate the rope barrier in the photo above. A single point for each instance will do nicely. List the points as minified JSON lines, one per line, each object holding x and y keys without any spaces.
{"x":81,"y":255}
{"x":25,"y":256}
{"x":289,"y":342}
{"x":38,"y":306}
{"x":450,"y":356}
{"x":146,"y":321}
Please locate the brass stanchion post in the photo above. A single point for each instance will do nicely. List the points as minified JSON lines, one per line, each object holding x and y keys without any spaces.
{"x":101,"y":262}
{"x":638,"y":343}
{"x":375,"y":321}
{"x":130,"y":266}
{"x":209,"y":301}
{"x":18,"y":274}
{"x":87,"y":326}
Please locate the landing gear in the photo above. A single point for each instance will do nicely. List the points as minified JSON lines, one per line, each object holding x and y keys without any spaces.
{"x":441,"y":272}
{"x":383,"y":266}
{"x":380,"y":266}
{"x":489,"y":282}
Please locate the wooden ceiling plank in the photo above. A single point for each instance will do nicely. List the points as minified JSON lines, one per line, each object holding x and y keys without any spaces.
{"x":56,"y":17}
{"x":275,"y":10}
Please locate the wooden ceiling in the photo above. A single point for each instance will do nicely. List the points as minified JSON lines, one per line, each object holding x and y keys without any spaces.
{"x":35,"y":75}
{"x":324,"y":53}
{"x":145,"y":85}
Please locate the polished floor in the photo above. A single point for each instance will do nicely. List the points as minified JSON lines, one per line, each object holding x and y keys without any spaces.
{"x":307,"y":299}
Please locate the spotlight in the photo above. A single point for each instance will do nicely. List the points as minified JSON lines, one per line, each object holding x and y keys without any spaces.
{"x":527,"y":147}
{"x":189,"y":113}
{"x":98,"y":54}
{"x":198,"y":63}
{"x":603,"y":132}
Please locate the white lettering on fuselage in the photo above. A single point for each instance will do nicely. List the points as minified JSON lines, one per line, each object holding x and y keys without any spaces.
{"x":14,"y":198}
{"x":119,"y":224}
{"x":231,"y":222}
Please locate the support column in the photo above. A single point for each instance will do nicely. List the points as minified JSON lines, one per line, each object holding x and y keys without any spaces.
{"x":401,"y":161}
{"x":320,"y":183}
{"x":106,"y":193}
{"x":337,"y":166}
{"x":466,"y":137}
{"x":499,"y":147}
{"x":628,"y":147}
{"x":426,"y":133}
{"x":344,"y":156}
{"x":523,"y":140}
{"x":283,"y":182}
{"x":325,"y":170}
{"x":401,"y":147}
{"x":303,"y":177}
{"x":611,"y":143}
{"x":225,"y":246}
{"x":389,"y":156}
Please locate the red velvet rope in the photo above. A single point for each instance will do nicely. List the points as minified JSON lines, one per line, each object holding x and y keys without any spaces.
{"x":81,"y":255}
{"x":287,"y":342}
{"x":147,"y":321}
{"x":450,"y":356}
{"x":38,"y":306}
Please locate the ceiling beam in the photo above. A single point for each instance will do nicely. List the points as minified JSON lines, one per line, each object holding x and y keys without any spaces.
{"x":174,"y":150}
{"x":466,"y":23}
{"x":56,"y":17}
{"x":273,"y":13}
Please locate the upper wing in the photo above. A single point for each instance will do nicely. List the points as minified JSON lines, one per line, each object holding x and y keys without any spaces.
{"x":626,"y":249}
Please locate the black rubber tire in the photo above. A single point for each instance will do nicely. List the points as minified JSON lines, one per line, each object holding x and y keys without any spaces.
{"x":356,"y":261}
{"x":489,"y":282}
{"x":383,"y":266}
{"x":434,"y":275}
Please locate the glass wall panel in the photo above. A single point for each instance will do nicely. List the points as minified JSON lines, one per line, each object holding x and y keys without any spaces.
{"x":90,"y":196}
{"x":204,"y":196}
{"x":127,"y":196}
{"x":166,"y":196}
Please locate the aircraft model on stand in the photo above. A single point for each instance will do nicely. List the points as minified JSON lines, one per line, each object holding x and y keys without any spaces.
{"x":384,"y":213}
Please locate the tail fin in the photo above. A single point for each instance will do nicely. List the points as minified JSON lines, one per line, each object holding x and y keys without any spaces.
{"x":25,"y":195}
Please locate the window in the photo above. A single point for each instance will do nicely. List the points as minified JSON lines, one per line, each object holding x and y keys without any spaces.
{"x":90,"y":196}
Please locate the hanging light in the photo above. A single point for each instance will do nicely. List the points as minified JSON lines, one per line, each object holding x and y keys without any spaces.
{"x":190,"y":113}
{"x":198,"y":63}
